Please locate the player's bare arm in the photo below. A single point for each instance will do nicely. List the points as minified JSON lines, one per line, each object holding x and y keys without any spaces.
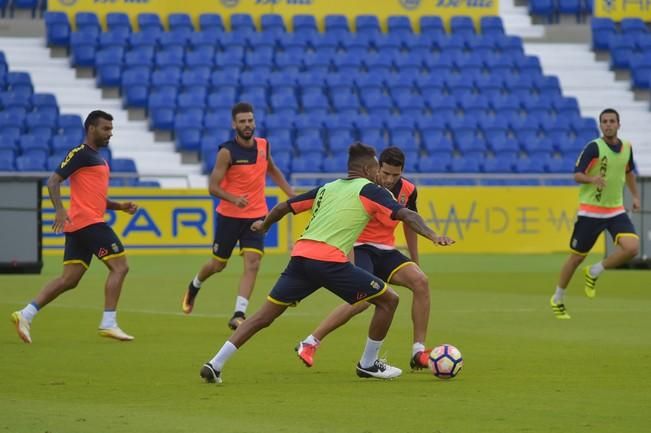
{"x":275,"y":215}
{"x":595,"y":180}
{"x":411,"y":237}
{"x":279,"y":179}
{"x":217,"y":175}
{"x":417,"y":224}
{"x":127,"y":206}
{"x":631,"y":183}
{"x":54,"y":188}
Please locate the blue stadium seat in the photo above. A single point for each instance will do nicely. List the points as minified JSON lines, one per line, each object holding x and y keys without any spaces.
{"x":543,"y":8}
{"x":602,"y":30}
{"x":490,"y":25}
{"x":180,"y":22}
{"x":399,"y":25}
{"x":31,"y":162}
{"x":87,"y":22}
{"x":63,"y":143}
{"x":633,"y":26}
{"x":436,"y":141}
{"x":242,"y":23}
{"x":272,"y":24}
{"x":118,"y":22}
{"x":431,"y":25}
{"x":336,"y":164}
{"x":367,"y":24}
{"x":307,"y":164}
{"x":462,"y":25}
{"x":466,"y":165}
{"x":571,"y":7}
{"x":437,"y":163}
{"x":123,"y":165}
{"x":336,"y":23}
{"x":305,"y":24}
{"x":57,"y":29}
{"x":211,"y":23}
{"x":149,"y":23}
{"x":187,"y":131}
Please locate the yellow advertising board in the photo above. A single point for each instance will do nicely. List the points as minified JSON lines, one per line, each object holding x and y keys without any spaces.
{"x":480,"y":219}
{"x":618,"y":9}
{"x":167,"y":221}
{"x":286,"y":8}
{"x":494,"y":220}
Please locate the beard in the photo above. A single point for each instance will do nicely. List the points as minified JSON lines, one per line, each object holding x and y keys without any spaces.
{"x":246,"y":134}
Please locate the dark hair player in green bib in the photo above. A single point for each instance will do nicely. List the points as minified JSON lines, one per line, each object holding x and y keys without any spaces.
{"x":603,"y":168}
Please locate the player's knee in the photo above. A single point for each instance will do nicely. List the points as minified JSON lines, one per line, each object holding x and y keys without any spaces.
{"x":632,"y":248}
{"x":392,"y":299}
{"x":420,"y":283}
{"x":217,"y":265}
{"x":252,"y":264}
{"x":121,"y":268}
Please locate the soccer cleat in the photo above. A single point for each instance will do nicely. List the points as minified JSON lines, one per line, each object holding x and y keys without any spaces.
{"x":559,"y":309}
{"x":380,"y":370}
{"x":590,"y":282}
{"x":209,"y":374}
{"x":188,"y":299}
{"x":22,"y":326}
{"x":236,"y":320}
{"x":420,"y":360}
{"x":116,"y":333}
{"x":306,"y":351}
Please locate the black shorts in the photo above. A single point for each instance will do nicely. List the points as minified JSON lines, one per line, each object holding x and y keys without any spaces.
{"x":587,"y":230}
{"x":304,"y":276}
{"x":231,"y":230}
{"x":98,"y":239}
{"x":381,"y":263}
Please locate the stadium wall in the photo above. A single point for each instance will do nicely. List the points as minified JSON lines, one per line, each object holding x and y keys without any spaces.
{"x":481,"y":219}
{"x":620,"y":9}
{"x":287,"y":8}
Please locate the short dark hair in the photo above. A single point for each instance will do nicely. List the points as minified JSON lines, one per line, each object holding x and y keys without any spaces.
{"x":241,"y":107}
{"x":94,"y":116}
{"x":392,"y":155}
{"x":609,"y":110}
{"x":359,"y":153}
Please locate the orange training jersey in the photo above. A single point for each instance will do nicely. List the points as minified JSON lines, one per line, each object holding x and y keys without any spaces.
{"x":246,"y":177}
{"x":381,"y":233}
{"x":89,"y":180}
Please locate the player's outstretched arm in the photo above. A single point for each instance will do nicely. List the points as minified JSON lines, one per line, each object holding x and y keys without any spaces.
{"x":417,"y":224}
{"x":127,"y":206}
{"x":275,"y":215}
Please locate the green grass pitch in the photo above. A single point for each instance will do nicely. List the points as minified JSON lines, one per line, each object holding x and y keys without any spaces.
{"x":525,"y":371}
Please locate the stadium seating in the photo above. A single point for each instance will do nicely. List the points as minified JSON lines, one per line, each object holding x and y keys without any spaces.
{"x":34,"y":135}
{"x":472,"y":94}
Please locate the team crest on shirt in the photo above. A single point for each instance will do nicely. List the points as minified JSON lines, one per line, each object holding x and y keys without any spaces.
{"x":402,"y":199}
{"x":102,"y":252}
{"x":114,"y":247}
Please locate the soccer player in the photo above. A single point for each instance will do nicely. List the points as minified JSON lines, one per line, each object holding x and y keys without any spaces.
{"x":239,"y":179}
{"x":86,"y":232}
{"x":603,"y":167}
{"x":340,"y":211}
{"x":375,"y":251}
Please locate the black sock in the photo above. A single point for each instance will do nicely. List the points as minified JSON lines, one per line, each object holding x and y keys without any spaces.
{"x":193,"y":290}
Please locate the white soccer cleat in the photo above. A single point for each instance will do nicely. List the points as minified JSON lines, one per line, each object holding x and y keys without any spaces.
{"x":116,"y":333}
{"x":380,"y":370}
{"x":22,"y":326}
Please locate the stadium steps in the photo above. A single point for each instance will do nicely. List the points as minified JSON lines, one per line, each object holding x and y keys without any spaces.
{"x":595,"y":87}
{"x":517,"y":21}
{"x":132,"y":139}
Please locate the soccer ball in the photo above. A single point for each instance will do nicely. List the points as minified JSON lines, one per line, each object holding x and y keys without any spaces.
{"x":445,"y":361}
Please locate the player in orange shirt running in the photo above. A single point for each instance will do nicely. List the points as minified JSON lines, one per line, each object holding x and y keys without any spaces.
{"x":375,"y":251}
{"x":85,"y":230}
{"x":238,"y":179}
